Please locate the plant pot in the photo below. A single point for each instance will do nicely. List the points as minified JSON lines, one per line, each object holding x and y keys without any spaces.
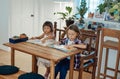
{"x":69,"y":22}
{"x":81,"y":21}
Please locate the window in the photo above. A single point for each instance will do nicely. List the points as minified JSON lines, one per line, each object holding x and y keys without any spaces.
{"x":91,"y":4}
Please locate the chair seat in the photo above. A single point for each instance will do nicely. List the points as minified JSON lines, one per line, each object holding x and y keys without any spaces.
{"x":111,"y":44}
{"x":86,"y":65}
{"x":12,"y":76}
{"x":31,"y":76}
{"x":8,"y":69}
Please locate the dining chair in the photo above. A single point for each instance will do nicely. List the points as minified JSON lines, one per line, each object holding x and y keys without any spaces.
{"x":109,"y":44}
{"x":59,"y":33}
{"x":89,"y":55}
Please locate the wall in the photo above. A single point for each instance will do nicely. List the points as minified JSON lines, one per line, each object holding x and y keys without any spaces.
{"x":47,"y":8}
{"x":10,"y":17}
{"x":4,"y":21}
{"x":21,"y":10}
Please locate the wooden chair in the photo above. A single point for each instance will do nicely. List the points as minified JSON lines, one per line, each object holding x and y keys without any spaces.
{"x":61,"y":32}
{"x":91,"y":52}
{"x":109,"y":44}
{"x":89,"y":57}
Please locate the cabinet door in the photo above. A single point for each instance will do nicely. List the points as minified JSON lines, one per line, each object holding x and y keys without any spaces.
{"x":22,"y":17}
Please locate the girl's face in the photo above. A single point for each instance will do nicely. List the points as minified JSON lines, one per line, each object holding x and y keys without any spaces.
{"x":72,"y":35}
{"x":46,"y":29}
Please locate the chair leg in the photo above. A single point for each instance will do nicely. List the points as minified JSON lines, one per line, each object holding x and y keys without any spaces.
{"x":94,"y":72}
{"x":94,"y":69}
{"x":106,"y":62}
{"x":117,"y":64}
{"x":81,"y":70}
{"x":99,"y":62}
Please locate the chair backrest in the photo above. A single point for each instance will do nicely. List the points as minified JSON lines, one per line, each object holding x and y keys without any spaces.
{"x":111,"y":33}
{"x":113,"y":36}
{"x":91,"y":38}
{"x":59,"y":33}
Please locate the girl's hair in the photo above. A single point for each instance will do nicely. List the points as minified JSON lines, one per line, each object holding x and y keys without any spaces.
{"x":74,"y":28}
{"x":48,"y":23}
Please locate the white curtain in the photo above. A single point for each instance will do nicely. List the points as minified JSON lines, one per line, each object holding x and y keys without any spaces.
{"x":76,"y":3}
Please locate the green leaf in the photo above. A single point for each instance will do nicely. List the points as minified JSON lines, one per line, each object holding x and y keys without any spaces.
{"x":68,"y":9}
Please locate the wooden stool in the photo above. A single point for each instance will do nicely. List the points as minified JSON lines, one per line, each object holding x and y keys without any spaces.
{"x":109,"y":44}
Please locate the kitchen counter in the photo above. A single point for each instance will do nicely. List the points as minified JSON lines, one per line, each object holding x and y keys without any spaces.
{"x":107,"y":24}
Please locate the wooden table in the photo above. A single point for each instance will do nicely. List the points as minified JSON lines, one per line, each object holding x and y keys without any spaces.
{"x":51,"y":54}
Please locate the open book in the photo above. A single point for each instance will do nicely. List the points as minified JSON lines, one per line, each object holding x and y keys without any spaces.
{"x":38,"y":42}
{"x":62,"y":48}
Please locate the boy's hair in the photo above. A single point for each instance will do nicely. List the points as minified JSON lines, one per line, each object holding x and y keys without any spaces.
{"x":48,"y":23}
{"x":74,"y":28}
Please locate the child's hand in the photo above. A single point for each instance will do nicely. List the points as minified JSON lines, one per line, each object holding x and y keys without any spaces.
{"x":69,"y":47}
{"x":33,"y":38}
{"x":43,"y":41}
{"x":57,"y":43}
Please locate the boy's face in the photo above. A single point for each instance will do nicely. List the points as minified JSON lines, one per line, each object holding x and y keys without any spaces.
{"x":72,"y":35}
{"x":47,"y":29}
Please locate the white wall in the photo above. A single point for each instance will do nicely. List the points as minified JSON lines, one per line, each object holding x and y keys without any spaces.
{"x":42,"y":10}
{"x":47,"y":8}
{"x":11,"y":17}
{"x":4,"y":21}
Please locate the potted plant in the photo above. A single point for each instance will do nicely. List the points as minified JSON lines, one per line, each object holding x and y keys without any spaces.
{"x":82,"y":9}
{"x":116,"y":11}
{"x":67,"y":16}
{"x":101,"y":7}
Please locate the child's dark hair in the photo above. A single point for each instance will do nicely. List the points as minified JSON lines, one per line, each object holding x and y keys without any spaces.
{"x":48,"y":23}
{"x":74,"y":28}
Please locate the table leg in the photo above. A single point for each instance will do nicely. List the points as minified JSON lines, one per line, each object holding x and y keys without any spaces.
{"x":12,"y":56}
{"x":71,"y":67}
{"x":34,"y":64}
{"x":52,"y":69}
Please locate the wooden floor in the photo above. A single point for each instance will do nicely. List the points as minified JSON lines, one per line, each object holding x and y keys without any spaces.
{"x":23,"y":61}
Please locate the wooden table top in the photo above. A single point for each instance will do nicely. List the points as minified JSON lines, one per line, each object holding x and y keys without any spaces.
{"x":41,"y":51}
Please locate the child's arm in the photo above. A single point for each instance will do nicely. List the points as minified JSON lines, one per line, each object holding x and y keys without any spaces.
{"x":49,"y":37}
{"x":83,"y":46}
{"x":38,"y":37}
